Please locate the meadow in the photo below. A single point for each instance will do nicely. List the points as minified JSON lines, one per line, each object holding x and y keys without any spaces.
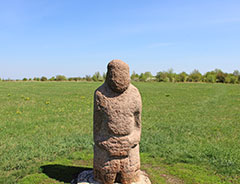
{"x":190,"y":131}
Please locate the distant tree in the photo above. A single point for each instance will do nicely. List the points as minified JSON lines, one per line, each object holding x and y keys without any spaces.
{"x":74,"y":78}
{"x":104,"y":76}
{"x":61,"y":78}
{"x":30,"y":79}
{"x":237,"y":74}
{"x":171,"y":75}
{"x":100,"y":77}
{"x":182,"y":77}
{"x":195,"y":76}
{"x":220,"y":76}
{"x":77,"y":78}
{"x":142,"y":77}
{"x":24,"y":79}
{"x":94,"y":78}
{"x":97,"y":77}
{"x":43,"y":78}
{"x":36,"y":79}
{"x":147,"y":76}
{"x":210,"y":77}
{"x":134,"y":76}
{"x":230,"y":78}
{"x":52,"y":79}
{"x":162,"y":77}
{"x":88,"y":78}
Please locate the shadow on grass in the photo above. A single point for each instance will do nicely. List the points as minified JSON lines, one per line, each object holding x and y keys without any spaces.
{"x":62,"y":173}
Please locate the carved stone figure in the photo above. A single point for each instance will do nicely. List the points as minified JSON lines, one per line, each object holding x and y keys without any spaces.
{"x":117,"y":127}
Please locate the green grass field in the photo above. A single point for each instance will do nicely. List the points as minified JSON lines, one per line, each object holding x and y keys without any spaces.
{"x":190,"y":134}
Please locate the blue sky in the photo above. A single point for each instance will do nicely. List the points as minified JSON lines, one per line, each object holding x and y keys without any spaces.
{"x":79,"y":37}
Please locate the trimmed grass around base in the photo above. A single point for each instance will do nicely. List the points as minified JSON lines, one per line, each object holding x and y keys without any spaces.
{"x":190,"y":134}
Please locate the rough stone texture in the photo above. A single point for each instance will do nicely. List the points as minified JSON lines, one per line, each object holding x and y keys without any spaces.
{"x":118,"y":78}
{"x":86,"y":177}
{"x":117,"y":127}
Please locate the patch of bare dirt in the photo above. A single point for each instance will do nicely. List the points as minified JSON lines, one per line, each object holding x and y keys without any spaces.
{"x":172,"y":179}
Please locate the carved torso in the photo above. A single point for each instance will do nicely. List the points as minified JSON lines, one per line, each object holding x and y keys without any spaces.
{"x":117,"y":118}
{"x":118,"y":112}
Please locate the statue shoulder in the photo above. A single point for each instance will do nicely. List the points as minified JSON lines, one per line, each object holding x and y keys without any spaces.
{"x":101,"y":90}
{"x":133,"y":90}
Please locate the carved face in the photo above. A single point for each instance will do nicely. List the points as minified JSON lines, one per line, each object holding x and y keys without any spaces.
{"x":118,"y":78}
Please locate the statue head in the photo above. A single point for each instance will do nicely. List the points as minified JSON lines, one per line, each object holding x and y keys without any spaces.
{"x":118,"y":78}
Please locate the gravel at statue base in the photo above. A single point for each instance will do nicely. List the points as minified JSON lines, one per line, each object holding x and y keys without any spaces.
{"x":86,"y":177}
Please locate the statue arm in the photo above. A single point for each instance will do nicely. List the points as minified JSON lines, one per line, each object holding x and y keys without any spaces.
{"x":97,"y":119}
{"x":135,"y":136}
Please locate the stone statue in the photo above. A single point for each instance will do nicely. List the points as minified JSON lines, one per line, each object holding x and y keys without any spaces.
{"x":117,"y":131}
{"x":117,"y":127}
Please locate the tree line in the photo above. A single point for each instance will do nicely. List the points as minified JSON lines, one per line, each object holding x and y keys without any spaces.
{"x":215,"y":76}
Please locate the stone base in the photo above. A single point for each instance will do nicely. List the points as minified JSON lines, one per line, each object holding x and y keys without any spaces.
{"x":86,"y":177}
